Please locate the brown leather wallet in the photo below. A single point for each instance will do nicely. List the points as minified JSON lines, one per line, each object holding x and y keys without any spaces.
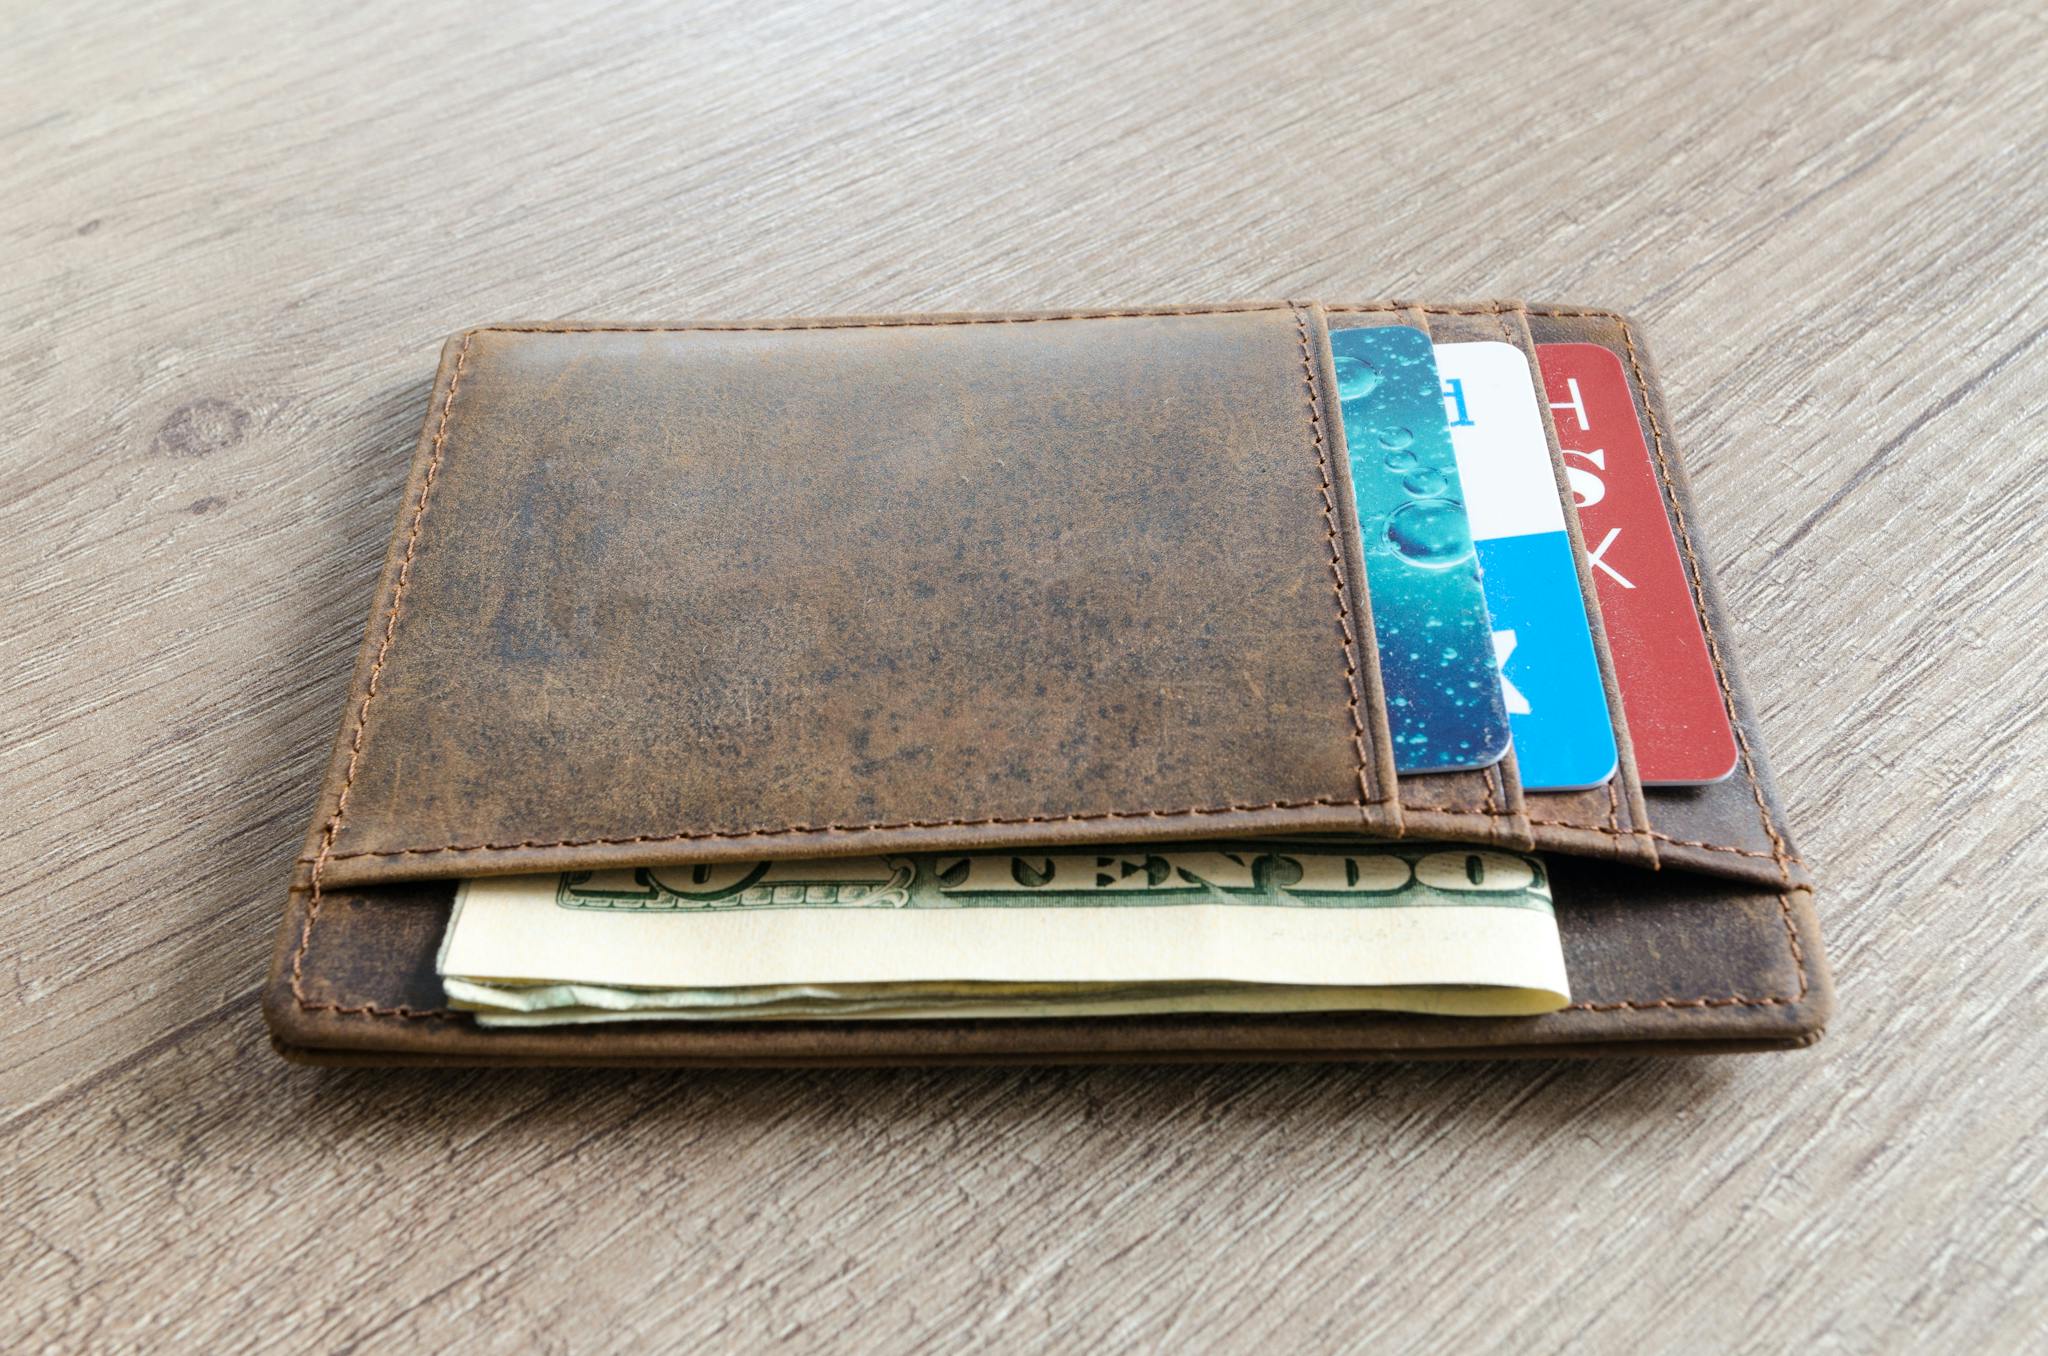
{"x":789,"y":588}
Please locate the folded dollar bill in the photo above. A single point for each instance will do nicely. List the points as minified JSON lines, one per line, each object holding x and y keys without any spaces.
{"x":1249,"y":926}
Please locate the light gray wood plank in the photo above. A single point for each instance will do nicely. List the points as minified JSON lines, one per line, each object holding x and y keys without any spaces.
{"x":234,"y":235}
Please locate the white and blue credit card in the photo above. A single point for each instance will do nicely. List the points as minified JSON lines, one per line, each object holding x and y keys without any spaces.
{"x":1549,"y":673}
{"x":1445,"y":708}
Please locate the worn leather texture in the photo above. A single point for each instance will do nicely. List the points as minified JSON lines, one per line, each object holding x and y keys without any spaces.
{"x":687,"y":593}
{"x":785,"y":588}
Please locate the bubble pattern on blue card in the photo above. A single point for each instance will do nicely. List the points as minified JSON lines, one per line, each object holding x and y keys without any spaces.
{"x":1445,"y":708}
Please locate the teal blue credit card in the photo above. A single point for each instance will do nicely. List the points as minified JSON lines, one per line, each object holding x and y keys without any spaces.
{"x":1444,"y":702}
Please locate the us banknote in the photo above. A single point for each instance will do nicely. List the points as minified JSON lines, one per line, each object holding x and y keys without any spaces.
{"x":1254,"y":926}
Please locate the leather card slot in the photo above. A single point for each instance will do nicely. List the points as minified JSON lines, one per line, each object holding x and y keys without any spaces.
{"x":802,"y":588}
{"x":1483,"y":805}
{"x":1616,"y":812}
{"x":1733,"y":827}
{"x":1609,"y":821}
{"x":423,"y":788}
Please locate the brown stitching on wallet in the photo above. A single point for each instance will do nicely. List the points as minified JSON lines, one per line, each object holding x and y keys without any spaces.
{"x":733,"y":835}
{"x":355,"y":752}
{"x":1363,"y":309}
{"x":1350,"y":641}
{"x":1756,"y":790}
{"x":1732,"y":1000}
{"x":1578,"y":825}
{"x":1711,"y":847}
{"x":887,"y":322}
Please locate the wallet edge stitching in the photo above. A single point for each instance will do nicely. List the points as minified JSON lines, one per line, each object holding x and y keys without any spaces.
{"x":1347,"y":636}
{"x":363,"y":710}
{"x":1779,"y":853}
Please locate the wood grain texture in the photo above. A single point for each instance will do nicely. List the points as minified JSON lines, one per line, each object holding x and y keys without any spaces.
{"x":234,"y":236}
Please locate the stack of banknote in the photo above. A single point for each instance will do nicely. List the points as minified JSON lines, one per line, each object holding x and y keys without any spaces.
{"x":1225,"y":927}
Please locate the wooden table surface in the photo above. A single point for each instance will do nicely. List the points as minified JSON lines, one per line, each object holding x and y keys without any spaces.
{"x":234,"y":236}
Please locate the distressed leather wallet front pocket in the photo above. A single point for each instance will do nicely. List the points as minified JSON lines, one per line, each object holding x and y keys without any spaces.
{"x":714,"y":591}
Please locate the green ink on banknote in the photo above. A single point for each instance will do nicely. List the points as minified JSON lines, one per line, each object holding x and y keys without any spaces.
{"x":1280,"y":875}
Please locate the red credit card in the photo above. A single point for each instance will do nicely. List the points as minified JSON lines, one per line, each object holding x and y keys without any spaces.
{"x":1670,"y":694}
